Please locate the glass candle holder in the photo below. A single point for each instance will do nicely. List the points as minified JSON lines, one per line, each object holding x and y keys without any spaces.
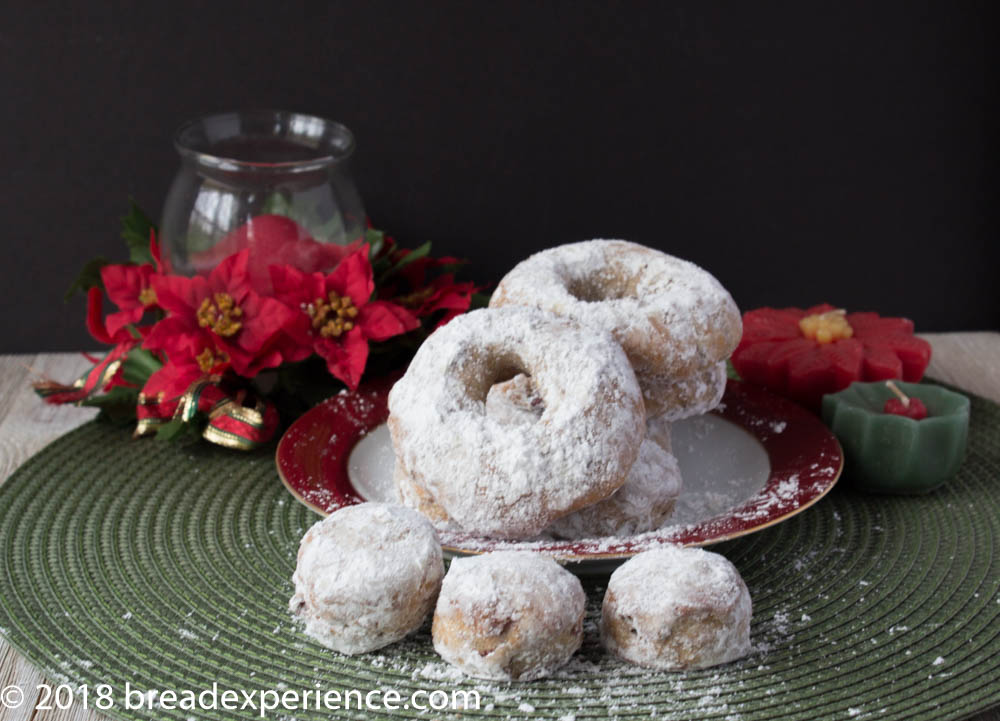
{"x":274,"y":182}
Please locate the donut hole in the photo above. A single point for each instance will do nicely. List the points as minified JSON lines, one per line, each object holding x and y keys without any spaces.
{"x":601,"y":285}
{"x":515,"y":401}
{"x":502,"y":384}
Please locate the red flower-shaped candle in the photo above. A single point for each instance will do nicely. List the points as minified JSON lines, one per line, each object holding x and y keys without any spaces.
{"x":805,"y":354}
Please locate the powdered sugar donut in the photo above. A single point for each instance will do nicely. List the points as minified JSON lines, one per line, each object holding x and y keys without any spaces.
{"x":645,"y":500}
{"x":508,"y":615}
{"x":510,"y":480}
{"x":512,"y":401}
{"x":642,"y":504}
{"x":692,"y":395}
{"x":676,"y":608}
{"x":419,"y":499}
{"x":658,"y":430}
{"x":367,"y":575}
{"x":671,"y":317}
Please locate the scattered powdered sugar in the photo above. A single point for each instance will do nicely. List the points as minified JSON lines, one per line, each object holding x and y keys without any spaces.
{"x":507,"y":480}
{"x":938,"y":661}
{"x":670,"y":315}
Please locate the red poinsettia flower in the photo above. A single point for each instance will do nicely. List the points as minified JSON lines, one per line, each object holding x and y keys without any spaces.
{"x":274,"y":239}
{"x":442,"y":293}
{"x":129,"y":286}
{"x":805,"y":354}
{"x":335,"y":316}
{"x":424,"y":297}
{"x":220,"y":313}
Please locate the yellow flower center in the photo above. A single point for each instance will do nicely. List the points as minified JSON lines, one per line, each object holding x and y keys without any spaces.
{"x":147,"y":296}
{"x":332,"y":317}
{"x":826,"y":327}
{"x":219,"y":313}
{"x":207,"y":359}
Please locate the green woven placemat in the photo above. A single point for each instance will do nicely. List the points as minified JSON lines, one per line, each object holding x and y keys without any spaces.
{"x":168,"y":567}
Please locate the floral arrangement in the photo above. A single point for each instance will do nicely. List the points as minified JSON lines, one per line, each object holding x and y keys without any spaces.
{"x":227,"y":354}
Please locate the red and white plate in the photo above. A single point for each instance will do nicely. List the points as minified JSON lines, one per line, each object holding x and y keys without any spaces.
{"x":753,"y":462}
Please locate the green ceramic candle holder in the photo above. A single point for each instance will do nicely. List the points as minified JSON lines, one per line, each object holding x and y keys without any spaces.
{"x":888,"y":453}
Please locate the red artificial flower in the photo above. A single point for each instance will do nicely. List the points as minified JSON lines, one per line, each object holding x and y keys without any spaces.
{"x":425,"y":297}
{"x":805,"y":354}
{"x":129,"y":286}
{"x":271,"y":240}
{"x":219,"y":319}
{"x":335,"y":317}
{"x":442,"y":293}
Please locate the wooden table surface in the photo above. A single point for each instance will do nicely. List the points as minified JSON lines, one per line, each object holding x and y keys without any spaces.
{"x":967,"y":360}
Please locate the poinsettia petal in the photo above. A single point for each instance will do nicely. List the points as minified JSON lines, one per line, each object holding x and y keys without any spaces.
{"x":353,"y":277}
{"x":95,"y":303}
{"x":381,"y":320}
{"x":172,"y":380}
{"x":231,"y":275}
{"x":290,"y":283}
{"x":123,"y":283}
{"x":295,"y":343}
{"x":174,"y":336}
{"x":270,"y":358}
{"x":263,"y":318}
{"x":345,"y":359}
{"x":116,"y":322}
{"x":180,"y":295}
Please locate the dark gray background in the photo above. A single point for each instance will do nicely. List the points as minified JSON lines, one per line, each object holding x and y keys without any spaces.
{"x":803,"y":152}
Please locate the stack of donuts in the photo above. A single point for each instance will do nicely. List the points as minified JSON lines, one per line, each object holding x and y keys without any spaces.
{"x":550,"y":411}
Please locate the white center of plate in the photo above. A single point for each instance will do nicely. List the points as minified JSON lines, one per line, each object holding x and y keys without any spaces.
{"x":722,"y":466}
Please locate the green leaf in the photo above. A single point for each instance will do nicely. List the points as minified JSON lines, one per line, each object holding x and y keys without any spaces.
{"x":117,"y":405}
{"x":176,"y":430}
{"x":136,"y":227}
{"x":413,"y":255}
{"x":172,"y":430}
{"x":376,"y":241}
{"x":479,"y":300}
{"x":139,"y":365}
{"x":731,"y":371}
{"x":89,"y":277}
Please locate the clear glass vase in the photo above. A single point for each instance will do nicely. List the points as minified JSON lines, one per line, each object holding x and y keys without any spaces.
{"x":274,"y":182}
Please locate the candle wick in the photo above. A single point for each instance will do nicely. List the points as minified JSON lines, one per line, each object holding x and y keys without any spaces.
{"x":902,"y":396}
